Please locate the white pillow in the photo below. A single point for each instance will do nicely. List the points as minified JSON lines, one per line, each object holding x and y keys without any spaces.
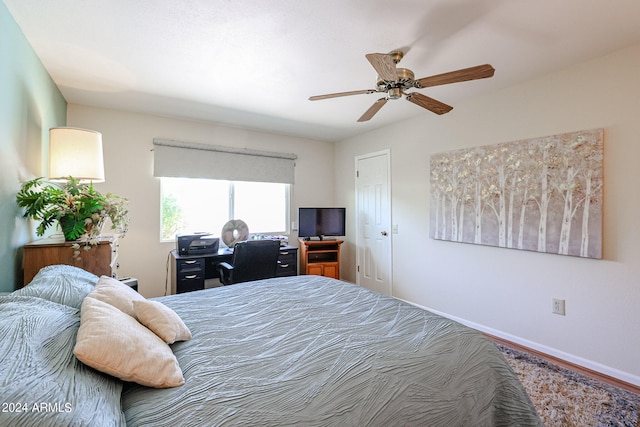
{"x":162,"y":320}
{"x":116,"y":293}
{"x":117,"y":344}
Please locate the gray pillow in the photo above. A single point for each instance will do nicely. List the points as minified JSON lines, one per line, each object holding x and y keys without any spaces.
{"x":43,"y":383}
{"x":63,"y":284}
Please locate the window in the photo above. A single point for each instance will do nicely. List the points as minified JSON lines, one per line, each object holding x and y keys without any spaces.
{"x":204,"y":205}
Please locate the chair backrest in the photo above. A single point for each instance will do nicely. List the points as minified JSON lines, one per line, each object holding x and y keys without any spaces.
{"x":255,"y":259}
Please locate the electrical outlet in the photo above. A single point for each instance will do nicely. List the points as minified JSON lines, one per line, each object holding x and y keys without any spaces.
{"x":558,"y":306}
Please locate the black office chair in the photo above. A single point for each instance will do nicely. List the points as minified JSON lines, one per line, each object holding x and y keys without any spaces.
{"x":252,"y":260}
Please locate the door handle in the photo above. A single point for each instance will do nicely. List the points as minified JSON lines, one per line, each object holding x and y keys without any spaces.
{"x":384,"y":233}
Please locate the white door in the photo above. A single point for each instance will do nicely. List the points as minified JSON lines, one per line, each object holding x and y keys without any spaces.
{"x":373,"y":222}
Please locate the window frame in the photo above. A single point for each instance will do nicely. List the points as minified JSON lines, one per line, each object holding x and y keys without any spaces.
{"x":231,"y":196}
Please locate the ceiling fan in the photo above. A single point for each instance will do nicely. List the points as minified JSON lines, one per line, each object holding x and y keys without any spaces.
{"x":395,"y":81}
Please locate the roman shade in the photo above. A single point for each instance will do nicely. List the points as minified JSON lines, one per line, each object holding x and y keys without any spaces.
{"x":192,"y":160}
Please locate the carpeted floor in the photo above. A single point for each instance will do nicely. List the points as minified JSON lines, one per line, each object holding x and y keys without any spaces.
{"x":566,"y":398}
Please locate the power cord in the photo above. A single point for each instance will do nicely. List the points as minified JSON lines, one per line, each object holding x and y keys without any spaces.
{"x":166,"y":275}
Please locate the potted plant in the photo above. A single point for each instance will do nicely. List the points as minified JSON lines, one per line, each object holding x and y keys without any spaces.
{"x":78,"y":207}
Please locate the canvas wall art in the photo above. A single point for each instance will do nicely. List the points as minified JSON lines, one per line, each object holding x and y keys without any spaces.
{"x":541,"y":194}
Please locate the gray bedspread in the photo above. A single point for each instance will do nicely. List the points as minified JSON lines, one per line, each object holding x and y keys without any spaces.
{"x":41,"y":381}
{"x":313,"y":351}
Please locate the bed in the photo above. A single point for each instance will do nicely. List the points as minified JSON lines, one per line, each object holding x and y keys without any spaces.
{"x":303,"y":350}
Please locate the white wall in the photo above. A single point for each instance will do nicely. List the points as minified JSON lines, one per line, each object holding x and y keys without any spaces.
{"x":127,"y":144}
{"x":506,"y":291}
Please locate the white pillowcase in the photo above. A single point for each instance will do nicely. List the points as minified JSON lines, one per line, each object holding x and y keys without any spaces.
{"x":116,"y":293}
{"x":162,"y":320}
{"x":115,"y":343}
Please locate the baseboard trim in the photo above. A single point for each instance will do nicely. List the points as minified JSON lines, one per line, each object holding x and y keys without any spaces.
{"x":606,"y":374}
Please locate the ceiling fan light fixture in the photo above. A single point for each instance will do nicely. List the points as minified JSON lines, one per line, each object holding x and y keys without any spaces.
{"x":395,"y":93}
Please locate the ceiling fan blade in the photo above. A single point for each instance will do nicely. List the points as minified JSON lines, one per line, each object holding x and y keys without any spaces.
{"x":384,"y":65}
{"x":428,"y":103}
{"x":472,"y":73}
{"x":335,"y":95}
{"x":373,"y":110}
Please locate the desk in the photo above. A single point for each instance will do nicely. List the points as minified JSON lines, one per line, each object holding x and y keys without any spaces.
{"x":196,"y":272}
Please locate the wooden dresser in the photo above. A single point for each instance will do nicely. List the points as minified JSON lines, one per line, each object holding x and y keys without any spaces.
{"x":99,"y":260}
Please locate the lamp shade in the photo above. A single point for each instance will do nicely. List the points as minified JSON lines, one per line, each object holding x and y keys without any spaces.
{"x":75,"y":153}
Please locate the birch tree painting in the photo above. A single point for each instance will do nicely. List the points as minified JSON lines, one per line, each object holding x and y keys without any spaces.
{"x":542,"y":194}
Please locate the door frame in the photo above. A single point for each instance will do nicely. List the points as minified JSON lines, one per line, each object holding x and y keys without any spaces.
{"x":387,"y":153}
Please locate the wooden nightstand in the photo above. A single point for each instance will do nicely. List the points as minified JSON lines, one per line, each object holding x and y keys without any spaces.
{"x":131,"y":282}
{"x":99,"y":260}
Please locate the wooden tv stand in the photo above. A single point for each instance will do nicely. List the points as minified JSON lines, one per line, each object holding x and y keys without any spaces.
{"x":320,"y":257}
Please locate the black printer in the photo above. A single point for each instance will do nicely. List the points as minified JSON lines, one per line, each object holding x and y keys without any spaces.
{"x":197,"y":244}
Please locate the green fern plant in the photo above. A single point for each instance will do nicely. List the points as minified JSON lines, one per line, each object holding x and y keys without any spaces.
{"x":78,"y":207}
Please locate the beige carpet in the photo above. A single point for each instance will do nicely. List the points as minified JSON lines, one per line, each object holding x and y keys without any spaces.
{"x":566,"y":398}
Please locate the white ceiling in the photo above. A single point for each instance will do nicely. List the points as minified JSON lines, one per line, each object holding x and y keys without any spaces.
{"x":254,"y":63}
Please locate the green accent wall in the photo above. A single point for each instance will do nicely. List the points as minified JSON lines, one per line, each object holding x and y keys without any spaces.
{"x":30,"y":104}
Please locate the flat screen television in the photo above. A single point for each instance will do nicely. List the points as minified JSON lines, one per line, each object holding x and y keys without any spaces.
{"x":321,"y":222}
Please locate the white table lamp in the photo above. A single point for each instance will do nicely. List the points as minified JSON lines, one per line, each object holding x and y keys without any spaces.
{"x":75,"y":153}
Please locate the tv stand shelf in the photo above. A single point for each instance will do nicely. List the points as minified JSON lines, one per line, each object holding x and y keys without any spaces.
{"x":320,"y":257}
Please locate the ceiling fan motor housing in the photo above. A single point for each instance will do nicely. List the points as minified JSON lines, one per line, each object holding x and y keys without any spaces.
{"x":394,"y":89}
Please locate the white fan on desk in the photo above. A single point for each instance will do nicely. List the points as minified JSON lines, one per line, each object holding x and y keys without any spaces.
{"x":234,"y":231}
